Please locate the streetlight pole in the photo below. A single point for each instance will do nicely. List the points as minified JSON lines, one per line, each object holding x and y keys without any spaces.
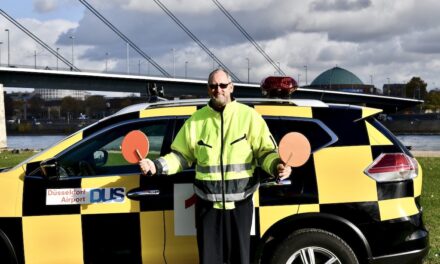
{"x":299,"y":75}
{"x":305,"y":67}
{"x":1,"y":53}
{"x":371,"y":79}
{"x":279,"y":67}
{"x":174,"y":62}
{"x":73,"y":45}
{"x":35,"y":59}
{"x":106,"y":61}
{"x":58,"y":52}
{"x":9,"y":54}
{"x":248,"y":68}
{"x":186,"y":69}
{"x":128,"y":59}
{"x":389,"y":88}
{"x":140,"y":66}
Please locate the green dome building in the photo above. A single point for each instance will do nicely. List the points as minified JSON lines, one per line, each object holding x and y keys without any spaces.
{"x":339,"y":79}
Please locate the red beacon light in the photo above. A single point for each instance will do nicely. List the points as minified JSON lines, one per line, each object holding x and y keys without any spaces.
{"x":278,"y":86}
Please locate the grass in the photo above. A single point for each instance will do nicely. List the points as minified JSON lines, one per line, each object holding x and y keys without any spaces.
{"x":430,"y":197}
{"x":431,"y":205}
{"x":9,"y":159}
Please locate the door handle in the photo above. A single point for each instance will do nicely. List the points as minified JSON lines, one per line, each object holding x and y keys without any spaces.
{"x":138,"y":194}
{"x":275,"y":183}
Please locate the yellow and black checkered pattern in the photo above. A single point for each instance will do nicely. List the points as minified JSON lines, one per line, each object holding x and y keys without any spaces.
{"x":333,"y":181}
{"x":86,"y":233}
{"x":337,"y":183}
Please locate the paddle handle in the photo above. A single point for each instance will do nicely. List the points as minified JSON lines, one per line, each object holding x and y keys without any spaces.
{"x":139,"y":155}
{"x":289,"y":158}
{"x":141,"y":158}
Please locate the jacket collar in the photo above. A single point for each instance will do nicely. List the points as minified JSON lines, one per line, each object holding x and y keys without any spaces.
{"x":229,"y":107}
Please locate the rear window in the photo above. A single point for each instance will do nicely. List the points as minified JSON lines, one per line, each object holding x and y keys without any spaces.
{"x":396,"y":142}
{"x":342,"y":121}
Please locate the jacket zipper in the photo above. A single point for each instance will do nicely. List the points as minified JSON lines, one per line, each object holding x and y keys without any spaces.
{"x":238,"y":140}
{"x":221,"y":161}
{"x":201,"y":143}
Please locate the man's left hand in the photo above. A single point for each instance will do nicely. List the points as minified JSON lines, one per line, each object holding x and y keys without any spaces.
{"x":283,"y":171}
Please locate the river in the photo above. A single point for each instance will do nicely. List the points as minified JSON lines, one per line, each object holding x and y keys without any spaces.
{"x":417,"y":142}
{"x":33,"y":142}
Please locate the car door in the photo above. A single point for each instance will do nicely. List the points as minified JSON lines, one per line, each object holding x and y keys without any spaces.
{"x":301,"y":189}
{"x":180,"y":232}
{"x":84,"y":215}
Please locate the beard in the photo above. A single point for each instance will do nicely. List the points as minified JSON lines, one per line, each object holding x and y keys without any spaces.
{"x":219,"y":102}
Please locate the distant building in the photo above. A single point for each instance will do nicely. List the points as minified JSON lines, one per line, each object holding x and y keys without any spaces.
{"x":56,"y":94}
{"x":394,"y":89}
{"x":339,"y":79}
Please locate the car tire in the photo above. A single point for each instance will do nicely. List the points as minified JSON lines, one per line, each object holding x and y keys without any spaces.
{"x":313,"y":246}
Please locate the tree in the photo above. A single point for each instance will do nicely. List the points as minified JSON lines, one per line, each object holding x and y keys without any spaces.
{"x":433,"y":100}
{"x":35,"y":106}
{"x":17,"y":107}
{"x":95,"y":106}
{"x":416,"y":88}
{"x":71,"y":106}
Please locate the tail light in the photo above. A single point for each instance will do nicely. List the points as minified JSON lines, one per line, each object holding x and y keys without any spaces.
{"x":390,"y":167}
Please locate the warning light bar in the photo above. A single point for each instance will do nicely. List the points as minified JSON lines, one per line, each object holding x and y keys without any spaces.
{"x":278,"y":86}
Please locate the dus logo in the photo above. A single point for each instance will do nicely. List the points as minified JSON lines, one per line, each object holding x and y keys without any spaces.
{"x":107,"y":195}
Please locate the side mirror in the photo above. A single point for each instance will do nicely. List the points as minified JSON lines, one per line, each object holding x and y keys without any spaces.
{"x":50,"y":169}
{"x":100,"y":157}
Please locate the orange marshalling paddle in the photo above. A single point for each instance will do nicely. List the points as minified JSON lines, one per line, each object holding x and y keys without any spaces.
{"x":135,"y":146}
{"x":294,"y":149}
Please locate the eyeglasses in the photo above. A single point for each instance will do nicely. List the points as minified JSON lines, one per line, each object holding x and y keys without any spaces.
{"x":221,"y":85}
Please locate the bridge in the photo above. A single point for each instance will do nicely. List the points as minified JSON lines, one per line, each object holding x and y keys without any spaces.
{"x":173,"y":87}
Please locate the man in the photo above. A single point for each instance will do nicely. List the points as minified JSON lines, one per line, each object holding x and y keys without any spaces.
{"x":227,"y":140}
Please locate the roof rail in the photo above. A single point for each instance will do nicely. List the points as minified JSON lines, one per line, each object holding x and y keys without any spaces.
{"x":186,"y":102}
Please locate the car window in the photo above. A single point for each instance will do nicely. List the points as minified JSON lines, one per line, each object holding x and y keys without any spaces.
{"x":318,"y":134}
{"x":101,"y":154}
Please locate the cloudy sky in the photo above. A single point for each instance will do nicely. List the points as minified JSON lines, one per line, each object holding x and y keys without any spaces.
{"x":378,"y":40}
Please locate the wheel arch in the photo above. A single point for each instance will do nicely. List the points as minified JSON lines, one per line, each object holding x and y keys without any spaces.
{"x":6,"y":243}
{"x":337,"y":225}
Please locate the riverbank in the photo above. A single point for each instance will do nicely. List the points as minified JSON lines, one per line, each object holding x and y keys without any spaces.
{"x":47,"y":127}
{"x":426,"y":153}
{"x":404,"y":124}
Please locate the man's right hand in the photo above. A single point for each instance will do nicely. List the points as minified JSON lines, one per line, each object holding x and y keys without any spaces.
{"x":147,"y":165}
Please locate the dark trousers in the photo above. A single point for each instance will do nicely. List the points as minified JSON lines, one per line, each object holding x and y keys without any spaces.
{"x":223,"y":236}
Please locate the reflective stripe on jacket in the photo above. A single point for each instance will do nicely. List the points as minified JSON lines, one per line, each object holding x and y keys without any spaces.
{"x":226,"y":146}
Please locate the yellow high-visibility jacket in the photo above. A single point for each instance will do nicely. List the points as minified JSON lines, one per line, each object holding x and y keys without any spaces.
{"x":226,"y":146}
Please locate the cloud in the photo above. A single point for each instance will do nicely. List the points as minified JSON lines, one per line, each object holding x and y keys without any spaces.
{"x":45,"y":6}
{"x":425,"y":42}
{"x":316,"y":33}
{"x":385,"y":39}
{"x":340,"y":5}
{"x":24,"y":51}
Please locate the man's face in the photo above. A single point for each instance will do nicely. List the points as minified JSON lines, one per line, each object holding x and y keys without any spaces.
{"x":220,"y":96}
